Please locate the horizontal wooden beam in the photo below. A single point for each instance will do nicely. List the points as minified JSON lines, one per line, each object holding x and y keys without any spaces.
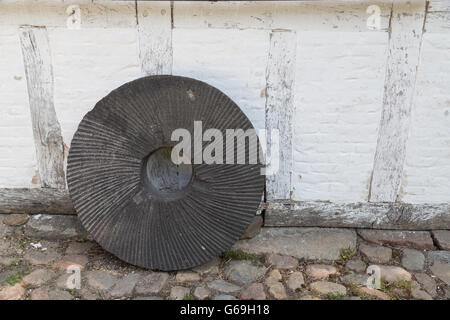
{"x":285,"y":213}
{"x":379,"y":215}
{"x":295,"y":15}
{"x":34,"y":201}
{"x":61,"y":14}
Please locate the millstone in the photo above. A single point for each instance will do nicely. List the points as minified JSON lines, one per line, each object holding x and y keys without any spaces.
{"x":138,"y":204}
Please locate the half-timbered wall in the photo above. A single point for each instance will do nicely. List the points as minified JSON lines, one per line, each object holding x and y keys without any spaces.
{"x":359,"y":91}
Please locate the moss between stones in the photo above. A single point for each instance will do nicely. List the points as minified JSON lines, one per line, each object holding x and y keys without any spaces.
{"x":238,"y":254}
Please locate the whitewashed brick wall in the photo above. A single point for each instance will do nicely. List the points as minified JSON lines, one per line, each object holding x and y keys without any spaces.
{"x":234,"y":61}
{"x":87,"y":65}
{"x":426,"y":176}
{"x":338,"y":100}
{"x":17,"y":151}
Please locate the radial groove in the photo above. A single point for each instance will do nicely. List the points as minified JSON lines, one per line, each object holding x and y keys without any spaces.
{"x":113,"y":192}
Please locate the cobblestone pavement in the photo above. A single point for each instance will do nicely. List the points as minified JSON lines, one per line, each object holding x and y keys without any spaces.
{"x":278,"y":263}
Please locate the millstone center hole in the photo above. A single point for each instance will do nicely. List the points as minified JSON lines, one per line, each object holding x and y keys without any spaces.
{"x":163,"y":175}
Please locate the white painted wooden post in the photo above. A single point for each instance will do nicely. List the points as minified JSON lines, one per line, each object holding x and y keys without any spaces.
{"x":46,"y":128}
{"x":406,"y":30}
{"x":155,"y":36}
{"x":279,"y":109}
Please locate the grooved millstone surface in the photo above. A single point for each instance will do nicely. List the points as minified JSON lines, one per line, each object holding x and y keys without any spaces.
{"x":107,"y":181}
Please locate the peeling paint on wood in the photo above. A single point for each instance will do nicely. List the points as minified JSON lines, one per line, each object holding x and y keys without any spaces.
{"x":397,"y":216}
{"x":155,"y":37}
{"x":438,"y":22}
{"x":301,"y":16}
{"x":279,"y":109}
{"x":46,"y":128}
{"x":100,"y":14}
{"x":358,"y":215}
{"x":438,"y":5}
{"x":403,"y":60}
{"x":438,"y":17}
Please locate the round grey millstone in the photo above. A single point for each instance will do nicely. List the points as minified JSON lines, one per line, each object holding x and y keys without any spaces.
{"x":112,"y":183}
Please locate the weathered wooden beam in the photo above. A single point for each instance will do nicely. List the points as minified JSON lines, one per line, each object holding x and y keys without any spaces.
{"x":44,"y":200}
{"x":46,"y":129}
{"x":399,"y":216}
{"x":438,"y":17}
{"x":405,"y":40}
{"x":155,"y":37}
{"x":438,"y":5}
{"x":279,"y":109}
{"x":58,"y":13}
{"x":35,"y":201}
{"x":286,"y":213}
{"x":323,"y":15}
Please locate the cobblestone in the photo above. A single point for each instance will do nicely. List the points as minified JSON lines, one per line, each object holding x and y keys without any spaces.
{"x":377,"y":254}
{"x":325,"y":287}
{"x":413,"y":259}
{"x":187,"y":276}
{"x":278,"y":291}
{"x":427,"y":283}
{"x":179,"y":293}
{"x":124,"y":287}
{"x":255,"y":291}
{"x":15,"y":219}
{"x":442,"y":239}
{"x":41,"y":273}
{"x":282,"y":262}
{"x":320,"y":271}
{"x":152,"y":283}
{"x":224,"y":297}
{"x":38,"y":277}
{"x":100,"y":280}
{"x":441,"y":270}
{"x":223,"y":286}
{"x":295,"y":281}
{"x":202,"y":293}
{"x":41,"y":257}
{"x":78,"y":261}
{"x":243,"y":272}
{"x":356,"y":265}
